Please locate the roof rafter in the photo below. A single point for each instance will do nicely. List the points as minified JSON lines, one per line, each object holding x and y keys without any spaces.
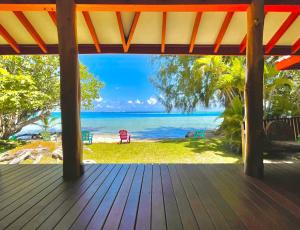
{"x":243,"y":44}
{"x":127,"y":41}
{"x":9,"y":39}
{"x":28,"y":26}
{"x":296,"y":46}
{"x":286,"y":63}
{"x":222,"y":32}
{"x":52,"y":15}
{"x":92,"y":30}
{"x":163,"y":32}
{"x":195,"y":31}
{"x":283,"y":28}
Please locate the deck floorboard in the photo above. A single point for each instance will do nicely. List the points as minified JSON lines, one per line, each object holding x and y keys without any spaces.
{"x":144,"y":197}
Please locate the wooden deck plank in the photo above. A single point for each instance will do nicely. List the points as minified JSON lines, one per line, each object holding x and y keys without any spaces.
{"x":187,"y":216}
{"x":131,"y":207}
{"x":158,"y":220}
{"x":204,"y":193}
{"x":31,"y":183}
{"x":86,"y":208}
{"x":115,"y":214}
{"x":25,"y":188}
{"x":201,"y":215}
{"x":11,"y":213}
{"x":143,"y":221}
{"x":171,"y":209}
{"x":76,"y":204}
{"x":58,"y":191}
{"x":150,"y":197}
{"x":103,"y":209}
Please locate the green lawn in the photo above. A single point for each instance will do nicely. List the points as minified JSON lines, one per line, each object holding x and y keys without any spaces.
{"x":175,"y":151}
{"x":169,"y":151}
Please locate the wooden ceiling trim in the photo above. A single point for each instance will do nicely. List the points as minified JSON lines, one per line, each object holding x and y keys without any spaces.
{"x":163,"y":32}
{"x":52,"y":15}
{"x":121,"y":29}
{"x":286,"y":63}
{"x":296,"y":46}
{"x":9,"y":39}
{"x":222,"y":31}
{"x":243,"y":44}
{"x":28,"y":26}
{"x":283,"y":28}
{"x":92,"y":30}
{"x":132,"y":30}
{"x":195,"y":31}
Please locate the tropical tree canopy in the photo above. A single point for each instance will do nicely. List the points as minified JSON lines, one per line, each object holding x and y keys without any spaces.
{"x":185,"y":83}
{"x":29,"y":90}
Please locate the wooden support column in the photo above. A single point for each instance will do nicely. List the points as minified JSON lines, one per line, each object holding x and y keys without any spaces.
{"x":253,"y":161}
{"x":70,"y":89}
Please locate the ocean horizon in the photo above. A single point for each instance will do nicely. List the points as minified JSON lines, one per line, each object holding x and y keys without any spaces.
{"x":141,"y":125}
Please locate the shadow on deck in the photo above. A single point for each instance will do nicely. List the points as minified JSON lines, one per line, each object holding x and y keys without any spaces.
{"x":150,"y":197}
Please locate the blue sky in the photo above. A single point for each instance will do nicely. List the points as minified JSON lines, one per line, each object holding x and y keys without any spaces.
{"x":126,"y":78}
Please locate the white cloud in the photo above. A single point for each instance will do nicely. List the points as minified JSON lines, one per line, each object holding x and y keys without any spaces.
{"x":138,"y":102}
{"x":130,"y":102}
{"x":98,"y":100}
{"x":152,"y":101}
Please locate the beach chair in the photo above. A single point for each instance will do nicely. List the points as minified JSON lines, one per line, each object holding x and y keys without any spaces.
{"x":87,"y":136}
{"x":124,"y":136}
{"x":199,"y":134}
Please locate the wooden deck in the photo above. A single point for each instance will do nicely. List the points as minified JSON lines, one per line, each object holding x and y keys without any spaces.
{"x":149,"y":197}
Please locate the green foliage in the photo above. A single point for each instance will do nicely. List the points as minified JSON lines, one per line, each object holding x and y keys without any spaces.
{"x":185,"y":83}
{"x":30,"y":89}
{"x":231,"y":125}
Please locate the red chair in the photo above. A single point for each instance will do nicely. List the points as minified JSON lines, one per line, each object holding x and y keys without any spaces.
{"x":124,"y":136}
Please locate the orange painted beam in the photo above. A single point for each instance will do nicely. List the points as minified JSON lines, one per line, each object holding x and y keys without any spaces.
{"x":195,"y":31}
{"x":28,"y":26}
{"x":283,"y":28}
{"x":286,"y":63}
{"x":163,"y":32}
{"x":223,"y":31}
{"x":243,"y":44}
{"x":7,"y":37}
{"x":91,"y":27}
{"x":132,"y":29}
{"x":164,"y":7}
{"x":296,"y":46}
{"x":121,"y":29}
{"x":52,"y":15}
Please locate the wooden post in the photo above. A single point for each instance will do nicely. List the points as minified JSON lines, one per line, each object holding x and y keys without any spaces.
{"x":253,"y":161}
{"x":70,"y":89}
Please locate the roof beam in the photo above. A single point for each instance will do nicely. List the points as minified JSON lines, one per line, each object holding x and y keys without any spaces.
{"x":243,"y":44}
{"x":52,"y":15}
{"x":195,"y":31}
{"x":28,"y":26}
{"x":121,"y":29}
{"x":287,"y":63}
{"x":283,"y":28}
{"x":296,"y":46}
{"x":127,"y":41}
{"x":163,"y":32}
{"x":92,"y":30}
{"x":132,"y":29}
{"x":222,"y":32}
{"x":150,"y":5}
{"x":9,"y":39}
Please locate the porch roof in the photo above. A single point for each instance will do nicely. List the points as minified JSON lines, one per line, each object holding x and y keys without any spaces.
{"x":149,"y":27}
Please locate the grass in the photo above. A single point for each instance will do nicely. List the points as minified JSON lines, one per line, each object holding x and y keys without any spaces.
{"x":171,"y":151}
{"x":168,"y":151}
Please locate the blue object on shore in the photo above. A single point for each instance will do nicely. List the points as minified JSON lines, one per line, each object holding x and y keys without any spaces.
{"x":87,"y":136}
{"x":199,"y":133}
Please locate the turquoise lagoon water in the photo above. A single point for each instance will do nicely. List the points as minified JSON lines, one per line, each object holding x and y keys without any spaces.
{"x":141,"y":124}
